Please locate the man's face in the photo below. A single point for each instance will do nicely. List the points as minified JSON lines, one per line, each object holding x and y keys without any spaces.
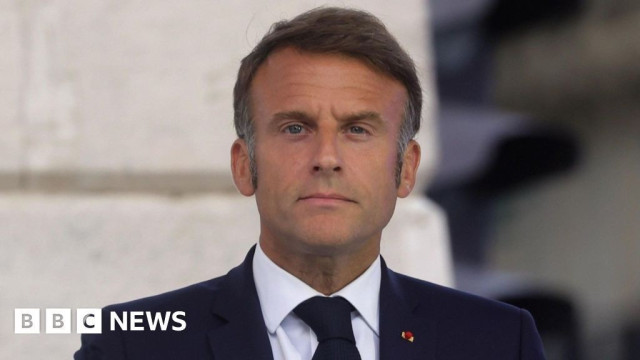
{"x":326,"y":130}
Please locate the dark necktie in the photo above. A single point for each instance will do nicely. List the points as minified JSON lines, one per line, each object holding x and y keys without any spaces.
{"x":330,"y":320}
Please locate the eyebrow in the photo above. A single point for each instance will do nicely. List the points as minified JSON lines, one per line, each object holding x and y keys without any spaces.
{"x":291,"y":115}
{"x":364,"y":115}
{"x":304,"y":117}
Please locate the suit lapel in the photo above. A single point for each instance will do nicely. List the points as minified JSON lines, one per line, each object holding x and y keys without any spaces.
{"x":401,"y":310}
{"x":240,"y":332}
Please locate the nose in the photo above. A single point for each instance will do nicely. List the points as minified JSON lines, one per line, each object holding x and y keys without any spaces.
{"x":327,"y":157}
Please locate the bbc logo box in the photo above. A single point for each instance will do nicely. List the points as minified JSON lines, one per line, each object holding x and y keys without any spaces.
{"x":27,"y":321}
{"x":88,"y":321}
{"x":58,"y":321}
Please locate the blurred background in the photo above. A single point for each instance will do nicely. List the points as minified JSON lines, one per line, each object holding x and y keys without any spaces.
{"x":116,"y":128}
{"x":539,"y":172}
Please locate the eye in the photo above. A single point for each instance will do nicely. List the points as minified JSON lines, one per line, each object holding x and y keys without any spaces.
{"x":294,"y":129}
{"x":357,"y":130}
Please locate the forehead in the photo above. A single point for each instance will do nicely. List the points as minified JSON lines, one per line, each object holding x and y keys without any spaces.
{"x":290,"y":77}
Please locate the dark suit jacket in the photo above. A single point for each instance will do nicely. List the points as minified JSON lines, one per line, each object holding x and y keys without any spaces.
{"x":224,"y":322}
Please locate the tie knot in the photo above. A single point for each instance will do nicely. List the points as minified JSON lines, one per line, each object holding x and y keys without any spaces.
{"x":328,"y":317}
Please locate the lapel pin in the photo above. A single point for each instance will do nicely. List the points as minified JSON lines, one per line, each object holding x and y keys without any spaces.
{"x":407,"y":335}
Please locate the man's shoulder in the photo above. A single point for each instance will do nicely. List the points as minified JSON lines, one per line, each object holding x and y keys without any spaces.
{"x":167,"y":325}
{"x":452,"y":301}
{"x":489,"y":329}
{"x":187,"y":311}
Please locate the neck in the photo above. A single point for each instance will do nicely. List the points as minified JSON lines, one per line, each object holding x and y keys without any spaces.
{"x":326,"y":273}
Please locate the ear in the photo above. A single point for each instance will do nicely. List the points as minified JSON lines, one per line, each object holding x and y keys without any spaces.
{"x":240,"y":167}
{"x":410,"y":163}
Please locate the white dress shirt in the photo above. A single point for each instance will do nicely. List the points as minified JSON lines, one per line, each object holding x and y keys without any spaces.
{"x":291,"y":338}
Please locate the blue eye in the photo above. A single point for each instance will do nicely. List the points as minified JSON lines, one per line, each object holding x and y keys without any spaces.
{"x":357,"y":130}
{"x":294,"y":129}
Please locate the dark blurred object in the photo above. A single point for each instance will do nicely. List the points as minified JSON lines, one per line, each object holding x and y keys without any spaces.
{"x":465,"y":33}
{"x":463,"y":53}
{"x":556,"y":320}
{"x":507,"y":151}
{"x":528,"y":158}
{"x":632,"y":342}
{"x":515,"y":161}
{"x":507,"y":16}
{"x":488,"y":153}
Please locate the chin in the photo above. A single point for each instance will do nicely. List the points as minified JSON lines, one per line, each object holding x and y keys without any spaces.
{"x":332,"y":244}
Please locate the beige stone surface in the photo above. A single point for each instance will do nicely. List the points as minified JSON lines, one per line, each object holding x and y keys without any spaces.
{"x":133,"y":88}
{"x":11,"y":70}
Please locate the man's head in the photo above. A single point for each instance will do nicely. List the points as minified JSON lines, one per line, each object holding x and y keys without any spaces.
{"x":348,"y":32}
{"x":326,"y":107}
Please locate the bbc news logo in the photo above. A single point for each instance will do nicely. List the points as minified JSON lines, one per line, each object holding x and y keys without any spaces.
{"x":89,"y":321}
{"x":58,"y":321}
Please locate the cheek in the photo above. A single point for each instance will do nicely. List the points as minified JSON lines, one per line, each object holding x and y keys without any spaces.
{"x":278,"y":166}
{"x":385,"y":159}
{"x":375,"y":167}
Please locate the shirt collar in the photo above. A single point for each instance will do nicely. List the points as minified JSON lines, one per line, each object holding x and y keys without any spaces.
{"x":280,"y":292}
{"x":364,"y":294}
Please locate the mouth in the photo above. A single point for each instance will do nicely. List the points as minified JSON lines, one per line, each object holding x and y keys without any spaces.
{"x":325,"y":198}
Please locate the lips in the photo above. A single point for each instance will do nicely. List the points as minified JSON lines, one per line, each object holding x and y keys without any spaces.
{"x":326,"y":197}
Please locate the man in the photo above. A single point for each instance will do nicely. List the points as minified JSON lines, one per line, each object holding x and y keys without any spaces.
{"x":326,"y":107}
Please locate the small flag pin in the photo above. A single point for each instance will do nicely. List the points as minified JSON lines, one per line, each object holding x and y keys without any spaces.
{"x":407,"y":335}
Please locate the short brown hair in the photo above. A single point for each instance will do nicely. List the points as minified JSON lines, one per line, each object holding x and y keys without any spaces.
{"x":327,"y":30}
